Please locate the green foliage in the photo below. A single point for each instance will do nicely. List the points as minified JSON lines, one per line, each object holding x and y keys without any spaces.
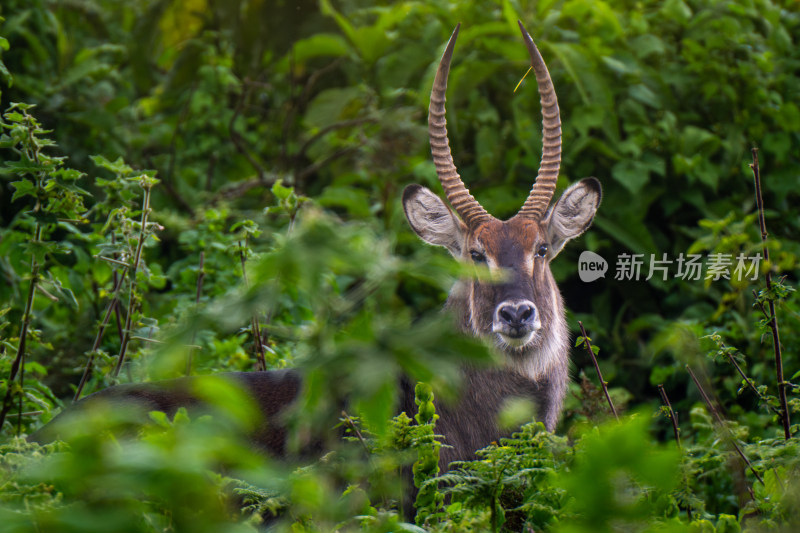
{"x":511,"y":485}
{"x":426,"y":467}
{"x":282,"y":134}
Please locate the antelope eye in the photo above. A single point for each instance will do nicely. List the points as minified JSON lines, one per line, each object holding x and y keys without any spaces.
{"x":542,"y":251}
{"x":478,"y":257}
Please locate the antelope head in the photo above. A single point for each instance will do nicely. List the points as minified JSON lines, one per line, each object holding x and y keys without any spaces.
{"x":524,"y":311}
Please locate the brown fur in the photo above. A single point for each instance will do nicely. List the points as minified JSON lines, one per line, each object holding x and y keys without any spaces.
{"x":537,"y":350}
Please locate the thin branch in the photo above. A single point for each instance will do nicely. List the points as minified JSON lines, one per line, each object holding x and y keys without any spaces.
{"x":332,"y":127}
{"x":200,"y":277}
{"x":113,"y":307}
{"x":173,"y":193}
{"x":722,"y":424}
{"x":752,"y":385}
{"x":146,"y":339}
{"x":773,"y":319}
{"x":238,"y":189}
{"x":349,"y":423}
{"x":116,"y":279}
{"x":46,"y":294}
{"x":112,"y":260}
{"x":261,"y":361}
{"x":296,"y":102}
{"x":311,"y":169}
{"x":156,"y":341}
{"x":588,"y":345}
{"x":18,"y":366}
{"x":316,"y":75}
{"x":134,"y":268}
{"x":29,"y":413}
{"x":672,"y":417}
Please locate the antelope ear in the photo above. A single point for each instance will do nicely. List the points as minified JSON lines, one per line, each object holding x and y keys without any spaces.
{"x":432,"y":220}
{"x":573,"y":213}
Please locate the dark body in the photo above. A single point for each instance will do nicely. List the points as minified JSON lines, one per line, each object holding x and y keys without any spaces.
{"x":273,"y":393}
{"x":466,"y":425}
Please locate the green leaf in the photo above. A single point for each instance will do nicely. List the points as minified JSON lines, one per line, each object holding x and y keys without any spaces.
{"x":280,"y":191}
{"x":70,"y":297}
{"x":326,"y":8}
{"x":5,"y":74}
{"x":356,"y":201}
{"x":23,"y":188}
{"x":25,"y":167}
{"x":334,"y":105}
{"x":633,"y":175}
{"x":117,"y":167}
{"x":645,"y":95}
{"x":160,"y":418}
{"x":378,"y":407}
{"x":320,"y":44}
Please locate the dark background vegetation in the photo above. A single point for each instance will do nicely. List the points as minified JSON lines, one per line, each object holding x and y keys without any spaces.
{"x":222,"y":99}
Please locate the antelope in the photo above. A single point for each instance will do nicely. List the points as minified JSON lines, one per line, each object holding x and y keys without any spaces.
{"x":523,"y":313}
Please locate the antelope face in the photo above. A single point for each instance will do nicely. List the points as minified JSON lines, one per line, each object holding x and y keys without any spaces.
{"x":521,"y":303}
{"x":524,"y":306}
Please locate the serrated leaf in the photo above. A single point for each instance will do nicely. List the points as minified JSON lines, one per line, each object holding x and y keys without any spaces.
{"x":118,"y":167}
{"x":23,"y":188}
{"x":281,"y":192}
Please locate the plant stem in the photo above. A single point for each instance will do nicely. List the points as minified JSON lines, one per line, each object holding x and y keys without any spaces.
{"x":672,"y":417}
{"x":588,"y":345}
{"x":18,"y":366}
{"x":722,"y":425}
{"x":29,"y":413}
{"x":676,"y":431}
{"x":352,"y":425}
{"x":753,"y":386}
{"x":112,"y":305}
{"x":773,"y":319}
{"x":200,"y":277}
{"x":261,"y":361}
{"x":134,"y":268}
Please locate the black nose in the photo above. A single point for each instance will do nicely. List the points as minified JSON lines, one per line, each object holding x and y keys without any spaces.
{"x":516,"y":315}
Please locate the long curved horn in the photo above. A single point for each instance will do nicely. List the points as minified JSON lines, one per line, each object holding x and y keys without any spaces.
{"x":471,"y":212}
{"x":542,"y":191}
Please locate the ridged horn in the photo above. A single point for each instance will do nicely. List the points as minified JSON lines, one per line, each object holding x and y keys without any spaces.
{"x":467,"y":207}
{"x":545,"y":185}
